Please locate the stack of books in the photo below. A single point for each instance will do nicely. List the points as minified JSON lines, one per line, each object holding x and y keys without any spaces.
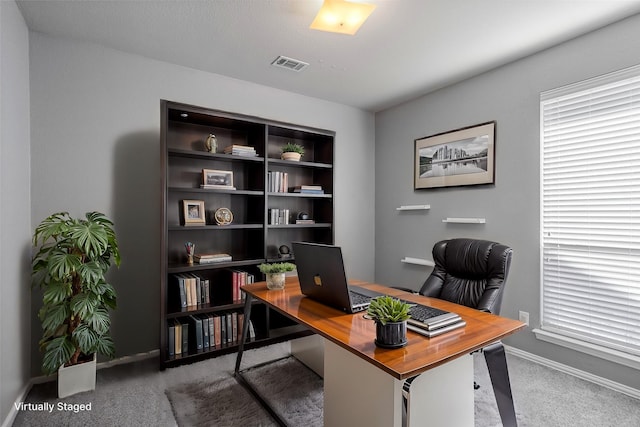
{"x":308,"y":189}
{"x":431,"y":321}
{"x":277,"y":182}
{"x":211,"y":258}
{"x":279,"y":216}
{"x":241,"y":150}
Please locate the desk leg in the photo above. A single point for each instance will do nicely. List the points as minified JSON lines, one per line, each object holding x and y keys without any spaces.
{"x":359,"y":393}
{"x":245,"y":331}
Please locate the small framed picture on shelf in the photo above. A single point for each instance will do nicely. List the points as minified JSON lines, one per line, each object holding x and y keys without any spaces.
{"x":217,"y":179}
{"x":193,"y":211}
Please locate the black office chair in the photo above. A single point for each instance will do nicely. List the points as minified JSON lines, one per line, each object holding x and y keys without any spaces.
{"x":473,"y":273}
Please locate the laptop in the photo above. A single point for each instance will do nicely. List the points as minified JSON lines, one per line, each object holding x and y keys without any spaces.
{"x":322,"y":278}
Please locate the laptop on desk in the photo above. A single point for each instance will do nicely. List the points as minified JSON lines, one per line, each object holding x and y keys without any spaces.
{"x":322,"y":278}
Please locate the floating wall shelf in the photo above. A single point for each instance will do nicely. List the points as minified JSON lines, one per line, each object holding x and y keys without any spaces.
{"x":465,"y":220}
{"x":417,"y":261}
{"x":414,"y":208}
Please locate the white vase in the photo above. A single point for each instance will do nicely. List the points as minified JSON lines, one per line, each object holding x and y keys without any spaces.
{"x":77,"y":378}
{"x":275,"y":280}
{"x":290,"y":155}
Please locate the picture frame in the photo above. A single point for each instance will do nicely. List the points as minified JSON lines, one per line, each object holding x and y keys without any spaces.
{"x":217,"y":179}
{"x":193,"y":212}
{"x":464,"y":156}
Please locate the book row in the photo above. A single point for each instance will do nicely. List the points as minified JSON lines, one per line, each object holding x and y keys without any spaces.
{"x":279,"y":216}
{"x":278,"y":182}
{"x":190,"y":291}
{"x":198,"y":333}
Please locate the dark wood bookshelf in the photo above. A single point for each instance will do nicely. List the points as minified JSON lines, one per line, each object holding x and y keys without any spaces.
{"x":250,"y":239}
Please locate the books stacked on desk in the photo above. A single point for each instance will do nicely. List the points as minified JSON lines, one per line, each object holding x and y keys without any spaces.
{"x":431,"y":321}
{"x":211,"y":258}
{"x":241,"y":150}
{"x":308,"y":189}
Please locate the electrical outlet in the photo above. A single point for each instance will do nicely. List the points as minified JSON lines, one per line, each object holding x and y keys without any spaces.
{"x":524,"y":317}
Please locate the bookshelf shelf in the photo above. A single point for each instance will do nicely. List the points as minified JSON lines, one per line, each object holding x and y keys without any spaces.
{"x":213,"y":290}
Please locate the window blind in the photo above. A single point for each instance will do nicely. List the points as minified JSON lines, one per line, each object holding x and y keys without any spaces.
{"x":590,"y":219}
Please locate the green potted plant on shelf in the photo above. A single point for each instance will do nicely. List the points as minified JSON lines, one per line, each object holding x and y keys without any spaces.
{"x":292,"y":151}
{"x":69,"y":267}
{"x":276,"y":273}
{"x":390,"y":315}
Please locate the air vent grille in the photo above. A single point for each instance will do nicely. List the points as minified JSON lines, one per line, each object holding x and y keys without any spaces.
{"x":289,"y":63}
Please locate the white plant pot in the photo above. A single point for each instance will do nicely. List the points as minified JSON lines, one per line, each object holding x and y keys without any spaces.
{"x":291,"y":156}
{"x":275,"y":280}
{"x":77,"y":378}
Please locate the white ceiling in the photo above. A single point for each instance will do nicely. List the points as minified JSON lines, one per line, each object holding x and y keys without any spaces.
{"x":405,"y":49}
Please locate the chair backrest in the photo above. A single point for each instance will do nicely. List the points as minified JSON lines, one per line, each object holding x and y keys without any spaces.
{"x":469,"y":272}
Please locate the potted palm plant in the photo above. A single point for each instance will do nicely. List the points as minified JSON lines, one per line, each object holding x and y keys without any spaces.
{"x":292,"y":151}
{"x":390,"y":315}
{"x":276,"y":273}
{"x":69,"y":267}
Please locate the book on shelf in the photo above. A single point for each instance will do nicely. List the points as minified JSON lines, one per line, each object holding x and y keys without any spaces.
{"x":205,"y":331}
{"x":217,"y":187}
{"x":171,"y":343}
{"x":195,"y":330}
{"x":177,"y":327}
{"x":277,"y":182}
{"x":210,"y":258}
{"x":241,"y":150}
{"x":305,"y":221}
{"x":185,"y":337}
{"x":308,"y":189}
{"x":279,"y":216}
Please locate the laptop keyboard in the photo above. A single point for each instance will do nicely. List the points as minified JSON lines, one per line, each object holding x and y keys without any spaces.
{"x":359,"y":299}
{"x":423,"y":312}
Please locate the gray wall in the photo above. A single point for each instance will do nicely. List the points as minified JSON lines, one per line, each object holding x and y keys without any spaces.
{"x":95,"y":119}
{"x":510,"y":96}
{"x":15,"y":226}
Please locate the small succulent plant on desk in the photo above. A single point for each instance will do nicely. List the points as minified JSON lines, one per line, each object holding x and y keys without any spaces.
{"x":278,"y":267}
{"x":275,"y":273}
{"x":390,"y":315}
{"x":386,"y":309}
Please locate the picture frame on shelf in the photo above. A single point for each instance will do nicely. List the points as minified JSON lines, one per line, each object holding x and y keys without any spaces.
{"x":217,"y":179}
{"x":193,"y":212}
{"x":460,"y":157}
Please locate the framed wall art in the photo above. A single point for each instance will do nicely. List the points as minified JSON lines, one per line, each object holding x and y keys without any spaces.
{"x":461,"y":157}
{"x":193,"y":212}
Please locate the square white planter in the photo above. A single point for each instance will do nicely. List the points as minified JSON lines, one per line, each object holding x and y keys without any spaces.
{"x":77,"y":378}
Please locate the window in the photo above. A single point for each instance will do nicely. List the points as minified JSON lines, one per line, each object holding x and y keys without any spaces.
{"x":590,"y":212}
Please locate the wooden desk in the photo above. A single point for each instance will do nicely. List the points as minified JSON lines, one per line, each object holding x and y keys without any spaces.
{"x":364,"y":383}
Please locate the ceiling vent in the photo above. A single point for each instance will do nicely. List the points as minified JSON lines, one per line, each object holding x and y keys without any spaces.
{"x":289,"y":63}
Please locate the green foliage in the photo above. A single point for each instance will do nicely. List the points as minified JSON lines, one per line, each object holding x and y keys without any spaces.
{"x":385,"y":309}
{"x":70,"y":266}
{"x":278,"y":267}
{"x":291,"y":147}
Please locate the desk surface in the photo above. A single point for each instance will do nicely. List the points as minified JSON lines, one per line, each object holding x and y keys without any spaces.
{"x":356,"y":334}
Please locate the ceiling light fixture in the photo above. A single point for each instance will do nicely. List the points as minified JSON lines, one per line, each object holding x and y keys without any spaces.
{"x":339,"y":16}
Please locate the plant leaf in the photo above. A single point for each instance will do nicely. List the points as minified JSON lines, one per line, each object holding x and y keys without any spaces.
{"x":63,"y":264}
{"x":86,"y":338}
{"x":84,"y":304}
{"x":99,"y":320}
{"x":56,"y":292}
{"x":58,"y":352}
{"x":90,"y":237}
{"x":106,"y":346}
{"x":54,"y":315}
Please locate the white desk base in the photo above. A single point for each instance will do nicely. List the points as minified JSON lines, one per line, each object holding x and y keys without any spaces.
{"x":357,"y":393}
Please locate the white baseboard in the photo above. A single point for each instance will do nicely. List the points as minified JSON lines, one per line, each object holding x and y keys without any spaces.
{"x":10,"y":418}
{"x":612,"y":385}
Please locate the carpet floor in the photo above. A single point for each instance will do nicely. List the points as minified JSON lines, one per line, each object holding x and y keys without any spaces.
{"x":138,"y":394}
